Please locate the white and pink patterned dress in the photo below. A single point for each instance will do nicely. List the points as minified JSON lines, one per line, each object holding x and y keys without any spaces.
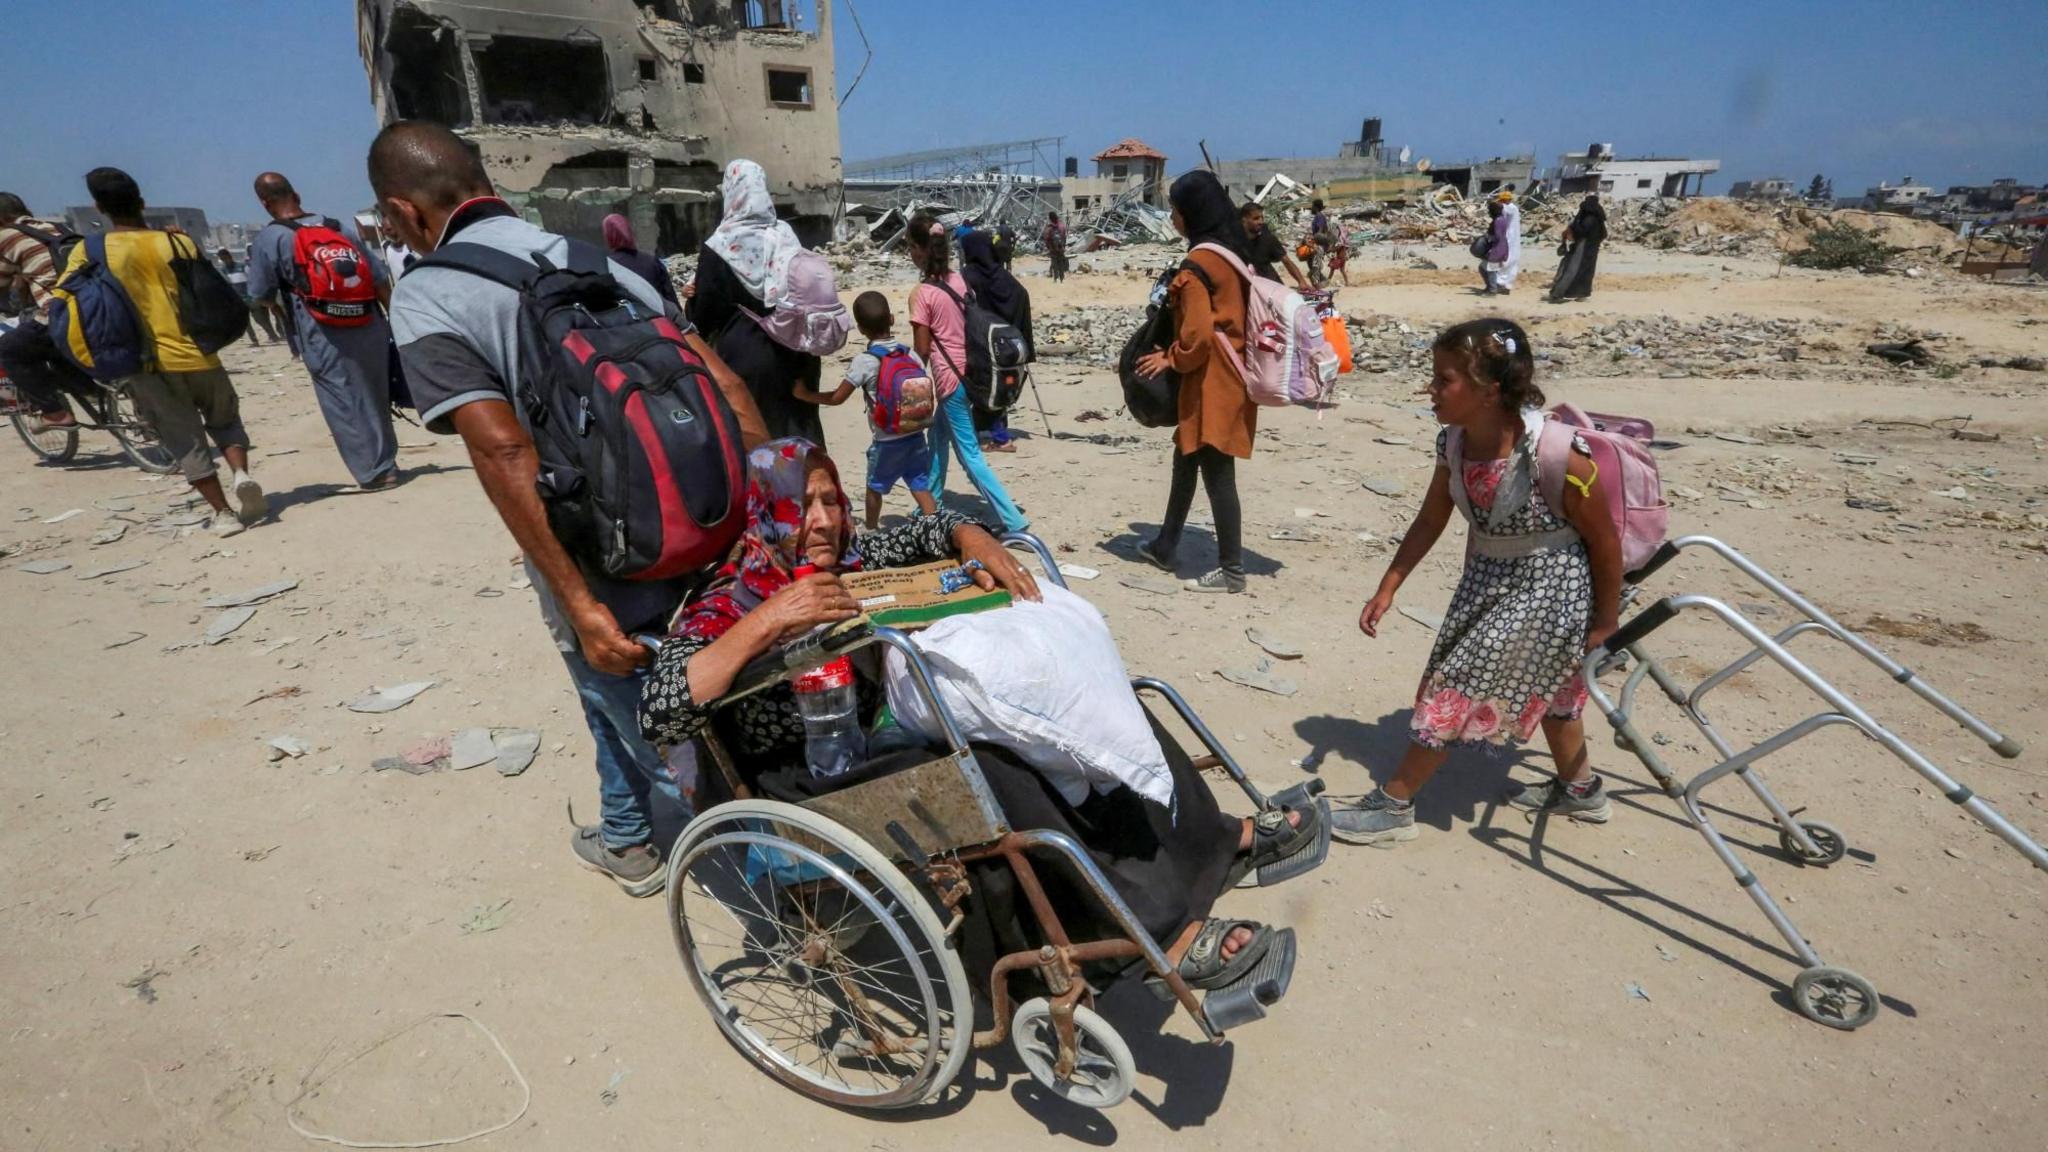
{"x":1508,"y":652}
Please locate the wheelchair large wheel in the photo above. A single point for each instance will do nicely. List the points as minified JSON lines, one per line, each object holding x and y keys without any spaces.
{"x":820,"y":959}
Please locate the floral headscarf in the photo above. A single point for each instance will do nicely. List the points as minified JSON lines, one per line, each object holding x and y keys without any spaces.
{"x":752,"y":240}
{"x":767,"y":552}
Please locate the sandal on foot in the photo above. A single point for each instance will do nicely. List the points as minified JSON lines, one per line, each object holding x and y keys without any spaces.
{"x":1274,"y":839}
{"x":1204,"y":966}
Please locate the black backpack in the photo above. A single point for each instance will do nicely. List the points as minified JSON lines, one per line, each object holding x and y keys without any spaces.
{"x":1154,"y":401}
{"x":641,"y":466}
{"x":997,"y":355}
{"x":210,"y":310}
{"x":60,"y":242}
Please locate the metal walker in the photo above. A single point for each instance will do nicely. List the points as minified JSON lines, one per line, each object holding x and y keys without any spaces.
{"x":1823,"y":993}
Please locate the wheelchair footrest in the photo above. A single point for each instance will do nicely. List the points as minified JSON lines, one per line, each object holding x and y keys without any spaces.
{"x":1309,"y":856}
{"x":1247,"y":1000}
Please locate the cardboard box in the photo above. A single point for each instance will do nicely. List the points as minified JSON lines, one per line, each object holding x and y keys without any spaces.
{"x":911,"y":598}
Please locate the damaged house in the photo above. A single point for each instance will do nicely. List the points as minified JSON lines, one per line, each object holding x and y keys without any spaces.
{"x":582,"y":108}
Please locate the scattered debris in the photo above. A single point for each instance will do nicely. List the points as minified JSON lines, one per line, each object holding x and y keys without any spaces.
{"x":1910,"y":352}
{"x":109,"y":535}
{"x":225,"y":624}
{"x":145,"y":983}
{"x":290,"y":746}
{"x":256,"y":855}
{"x":44,"y":567}
{"x":487,"y":918}
{"x":389,"y":699}
{"x":124,"y":641}
{"x":1260,"y":677}
{"x":1154,"y":584}
{"x":112,"y":569}
{"x":516,"y":749}
{"x":61,"y":517}
{"x":1278,"y":649}
{"x":470,"y":747}
{"x":1078,"y":571}
{"x":1392,"y":489}
{"x":1928,"y":630}
{"x":284,"y":693}
{"x":1636,"y":992}
{"x":252,"y":596}
{"x":1429,"y":620}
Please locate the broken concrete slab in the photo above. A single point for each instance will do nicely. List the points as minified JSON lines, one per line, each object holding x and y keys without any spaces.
{"x":1379,"y":486}
{"x":1259,"y":676}
{"x":109,"y":535}
{"x":516,"y":749}
{"x":43,"y":567}
{"x":225,"y":624}
{"x":1273,"y":646}
{"x":111,"y":569}
{"x":290,"y":746}
{"x":389,"y":699}
{"x":252,"y":596}
{"x":471,"y":747}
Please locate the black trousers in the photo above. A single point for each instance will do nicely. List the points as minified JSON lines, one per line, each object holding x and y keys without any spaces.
{"x":1219,"y":479}
{"x":30,"y":359}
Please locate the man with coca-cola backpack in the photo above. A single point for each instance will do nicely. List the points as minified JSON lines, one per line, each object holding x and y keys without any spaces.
{"x":607,"y":434}
{"x":337,"y":287}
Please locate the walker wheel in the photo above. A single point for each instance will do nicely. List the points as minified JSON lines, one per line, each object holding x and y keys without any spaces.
{"x":1825,"y":837}
{"x":1104,"y":1072}
{"x":1835,"y":997}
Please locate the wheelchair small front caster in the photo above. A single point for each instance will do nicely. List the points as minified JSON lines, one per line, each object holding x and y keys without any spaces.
{"x":1835,"y":997}
{"x":1104,"y":1072}
{"x":1825,"y":837}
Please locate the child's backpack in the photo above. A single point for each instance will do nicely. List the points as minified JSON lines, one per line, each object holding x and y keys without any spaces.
{"x":1625,"y":474}
{"x":810,"y":318}
{"x":1286,"y":360}
{"x":330,"y":274}
{"x":93,"y":321}
{"x":211,"y":312}
{"x":903,"y":399}
{"x":641,"y":469}
{"x":997,"y":354}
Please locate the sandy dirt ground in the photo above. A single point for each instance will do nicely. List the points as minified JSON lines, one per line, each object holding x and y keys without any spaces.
{"x":190,"y":931}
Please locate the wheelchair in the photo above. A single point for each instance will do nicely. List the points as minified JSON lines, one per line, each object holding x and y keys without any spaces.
{"x":823,"y":936}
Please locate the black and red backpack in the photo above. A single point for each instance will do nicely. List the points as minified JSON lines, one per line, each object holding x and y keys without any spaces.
{"x":331,"y":274}
{"x":641,"y":466}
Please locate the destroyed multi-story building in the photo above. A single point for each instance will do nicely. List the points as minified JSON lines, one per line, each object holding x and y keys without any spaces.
{"x":581,"y":108}
{"x":1598,"y":169}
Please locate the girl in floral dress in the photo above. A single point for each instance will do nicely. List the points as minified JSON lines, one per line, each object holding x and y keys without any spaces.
{"x":1541,"y":587}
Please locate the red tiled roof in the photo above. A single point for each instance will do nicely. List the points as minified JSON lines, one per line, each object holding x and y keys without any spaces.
{"x":1131,"y":148}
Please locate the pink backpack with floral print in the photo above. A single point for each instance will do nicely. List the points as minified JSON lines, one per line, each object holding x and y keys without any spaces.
{"x":1625,"y":474}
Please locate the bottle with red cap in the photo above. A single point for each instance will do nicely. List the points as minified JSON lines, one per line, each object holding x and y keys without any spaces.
{"x":830,"y":705}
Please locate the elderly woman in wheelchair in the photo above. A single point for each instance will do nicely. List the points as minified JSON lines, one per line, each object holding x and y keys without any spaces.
{"x":812,"y":918}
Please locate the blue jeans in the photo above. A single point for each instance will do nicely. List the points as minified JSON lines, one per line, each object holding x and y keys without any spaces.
{"x":629,"y":770}
{"x":957,"y":428}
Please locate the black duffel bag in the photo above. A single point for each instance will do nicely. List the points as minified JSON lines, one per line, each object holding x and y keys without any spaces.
{"x":1154,"y":401}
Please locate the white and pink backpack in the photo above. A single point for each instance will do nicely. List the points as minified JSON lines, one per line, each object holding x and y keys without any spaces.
{"x":810,"y":317}
{"x":1626,"y":476}
{"x":1286,"y":360}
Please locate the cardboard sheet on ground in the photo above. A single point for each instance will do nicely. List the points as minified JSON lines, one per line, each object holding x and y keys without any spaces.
{"x":911,"y":598}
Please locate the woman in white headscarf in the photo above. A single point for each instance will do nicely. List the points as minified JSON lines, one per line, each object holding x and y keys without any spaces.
{"x":744,"y":268}
{"x":1510,"y":267}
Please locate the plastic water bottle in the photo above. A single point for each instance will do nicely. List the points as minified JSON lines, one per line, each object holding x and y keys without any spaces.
{"x":830,"y":704}
{"x":833,"y":740}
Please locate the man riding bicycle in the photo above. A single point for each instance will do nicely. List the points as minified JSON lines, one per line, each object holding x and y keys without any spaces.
{"x":29,"y":260}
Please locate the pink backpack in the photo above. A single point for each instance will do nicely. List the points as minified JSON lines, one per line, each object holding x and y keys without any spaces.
{"x":1286,"y":360}
{"x":1626,"y":476}
{"x":810,"y":318}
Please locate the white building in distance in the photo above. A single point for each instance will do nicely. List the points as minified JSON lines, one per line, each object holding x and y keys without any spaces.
{"x":1597,"y":169}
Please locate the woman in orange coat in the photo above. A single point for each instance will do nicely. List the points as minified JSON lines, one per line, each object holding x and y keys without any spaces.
{"x":1217,"y":416}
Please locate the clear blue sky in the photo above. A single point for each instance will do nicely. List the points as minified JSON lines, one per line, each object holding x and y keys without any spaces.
{"x":196,"y":96}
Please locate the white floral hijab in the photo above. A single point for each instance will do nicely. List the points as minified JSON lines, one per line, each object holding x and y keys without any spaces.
{"x":753,"y":242}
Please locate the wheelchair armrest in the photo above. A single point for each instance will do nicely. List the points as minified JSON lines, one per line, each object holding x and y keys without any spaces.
{"x":797,"y":657}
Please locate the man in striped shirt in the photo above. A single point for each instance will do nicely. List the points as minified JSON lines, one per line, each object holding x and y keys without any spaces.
{"x":28,"y":262}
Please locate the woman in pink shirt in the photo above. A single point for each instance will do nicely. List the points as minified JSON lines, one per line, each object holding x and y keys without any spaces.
{"x":938,"y":324}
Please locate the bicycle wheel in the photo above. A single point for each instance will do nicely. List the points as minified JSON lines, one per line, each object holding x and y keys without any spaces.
{"x":137,"y":438}
{"x":55,"y":445}
{"x":817,"y":957}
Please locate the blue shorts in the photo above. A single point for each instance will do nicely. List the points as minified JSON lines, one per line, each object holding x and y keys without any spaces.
{"x":906,"y":458}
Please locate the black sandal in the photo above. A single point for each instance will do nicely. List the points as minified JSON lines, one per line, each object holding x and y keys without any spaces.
{"x":1274,"y":839}
{"x":1204,"y":966}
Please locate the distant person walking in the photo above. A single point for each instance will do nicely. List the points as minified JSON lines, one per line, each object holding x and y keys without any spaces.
{"x":1217,"y":417}
{"x":1054,"y":237}
{"x":618,"y":236}
{"x":337,"y":291}
{"x":1004,"y":295}
{"x":938,"y":325}
{"x":184,"y":393}
{"x":1492,"y":248}
{"x":1318,"y":243}
{"x":1582,"y":239}
{"x":1267,"y":250}
{"x":744,"y":268}
{"x":1511,"y":230}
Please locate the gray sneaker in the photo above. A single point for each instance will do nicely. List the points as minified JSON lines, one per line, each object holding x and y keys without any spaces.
{"x":224,"y":524}
{"x":638,"y":869}
{"x":1218,"y":580}
{"x":1375,"y":818}
{"x":1553,"y":797}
